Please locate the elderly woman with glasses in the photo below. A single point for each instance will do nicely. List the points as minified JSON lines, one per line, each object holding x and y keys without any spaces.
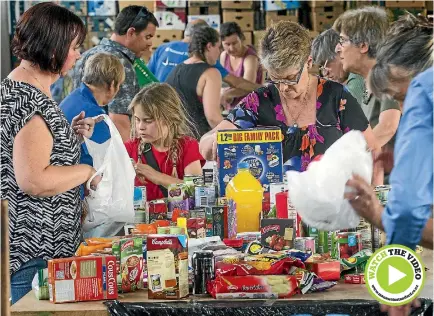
{"x":323,"y":54}
{"x":312,"y":112}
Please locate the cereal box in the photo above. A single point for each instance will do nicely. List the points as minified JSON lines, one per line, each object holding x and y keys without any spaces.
{"x":260,"y":148}
{"x":129,"y":255}
{"x":277,"y":234}
{"x":167,"y":259}
{"x":79,"y":279}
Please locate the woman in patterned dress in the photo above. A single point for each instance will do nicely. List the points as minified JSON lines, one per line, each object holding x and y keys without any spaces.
{"x":40,"y":150}
{"x":312,"y":112}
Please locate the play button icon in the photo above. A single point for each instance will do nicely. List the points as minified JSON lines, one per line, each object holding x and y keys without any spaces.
{"x":395,"y":275}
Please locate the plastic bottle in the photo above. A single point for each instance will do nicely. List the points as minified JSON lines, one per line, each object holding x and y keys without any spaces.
{"x":244,"y":193}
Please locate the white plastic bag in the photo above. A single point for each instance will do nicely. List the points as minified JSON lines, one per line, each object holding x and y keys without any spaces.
{"x":318,"y":193}
{"x":110,"y":206}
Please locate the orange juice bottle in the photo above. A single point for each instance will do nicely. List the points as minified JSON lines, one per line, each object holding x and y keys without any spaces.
{"x":244,"y":193}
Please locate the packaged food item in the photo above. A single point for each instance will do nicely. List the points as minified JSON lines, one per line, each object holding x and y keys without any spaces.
{"x":261,"y":148}
{"x":140,"y":229}
{"x":167,"y":259}
{"x":229,"y":258}
{"x":242,"y":268}
{"x":203,"y":270}
{"x":274,"y":189}
{"x":140,"y":198}
{"x":157,"y":210}
{"x":222,"y":201}
{"x":129,"y":255}
{"x":356,"y":263}
{"x":197,"y":213}
{"x":255,"y":248}
{"x":266,"y":257}
{"x":178,"y":198}
{"x":40,"y":285}
{"x":208,"y":176}
{"x":88,"y":247}
{"x":253,"y":286}
{"x":382,"y":192}
{"x":325,"y":268}
{"x":163,"y":230}
{"x":303,"y":256}
{"x":79,"y":279}
{"x":205,"y":195}
{"x":190,"y":183}
{"x":309,"y":282}
{"x":216,"y":217}
{"x":237,"y":244}
{"x":196,"y":227}
{"x":277,"y":234}
{"x":306,"y":244}
{"x":282,"y":205}
{"x":355,"y":278}
{"x":348,"y":244}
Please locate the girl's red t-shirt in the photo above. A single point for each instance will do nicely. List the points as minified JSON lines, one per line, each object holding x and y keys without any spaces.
{"x":189,"y":153}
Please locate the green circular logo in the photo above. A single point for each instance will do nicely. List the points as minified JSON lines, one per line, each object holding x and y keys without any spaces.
{"x":395,"y":275}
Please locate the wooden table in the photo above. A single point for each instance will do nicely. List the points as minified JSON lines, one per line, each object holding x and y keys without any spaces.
{"x":29,"y":305}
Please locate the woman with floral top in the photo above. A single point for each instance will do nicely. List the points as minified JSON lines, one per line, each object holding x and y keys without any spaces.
{"x":312,"y":112}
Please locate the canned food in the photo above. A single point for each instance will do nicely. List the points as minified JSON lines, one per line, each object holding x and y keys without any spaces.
{"x":203,"y":270}
{"x":305,"y":244}
{"x":382,"y":192}
{"x":163,"y":230}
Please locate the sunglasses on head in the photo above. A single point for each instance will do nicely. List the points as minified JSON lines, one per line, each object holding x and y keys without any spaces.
{"x":143,"y":13}
{"x":288,"y":82}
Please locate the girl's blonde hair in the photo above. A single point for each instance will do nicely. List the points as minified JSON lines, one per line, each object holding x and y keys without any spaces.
{"x":161,"y":102}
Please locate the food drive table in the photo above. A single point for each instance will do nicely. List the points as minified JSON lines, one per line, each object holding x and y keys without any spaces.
{"x":346,"y":299}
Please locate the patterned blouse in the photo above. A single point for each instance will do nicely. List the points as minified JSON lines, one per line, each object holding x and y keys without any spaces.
{"x":337,"y":112}
{"x":39,"y":227}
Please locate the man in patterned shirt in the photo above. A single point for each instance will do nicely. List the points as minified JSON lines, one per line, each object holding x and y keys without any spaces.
{"x":134,"y":29}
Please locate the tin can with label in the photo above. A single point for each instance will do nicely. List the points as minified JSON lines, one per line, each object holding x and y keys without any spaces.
{"x":382,"y":193}
{"x":348,"y":244}
{"x":163,"y":230}
{"x":203,"y":270}
{"x":305,"y":244}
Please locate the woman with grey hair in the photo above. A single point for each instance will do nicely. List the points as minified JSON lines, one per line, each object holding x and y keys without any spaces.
{"x":312,"y":112}
{"x":324,"y":54}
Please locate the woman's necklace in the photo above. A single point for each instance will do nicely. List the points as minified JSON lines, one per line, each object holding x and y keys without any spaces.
{"x":303,"y":106}
{"x":43,"y":88}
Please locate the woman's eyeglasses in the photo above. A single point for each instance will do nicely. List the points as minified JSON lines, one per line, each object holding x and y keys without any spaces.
{"x":343,"y":40}
{"x":286,"y":81}
{"x":143,"y":13}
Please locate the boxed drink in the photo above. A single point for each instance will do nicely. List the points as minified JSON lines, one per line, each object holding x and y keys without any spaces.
{"x":167,"y":259}
{"x":157,"y":210}
{"x":277,"y":234}
{"x":196,"y":227}
{"x":178,"y":198}
{"x":260,"y":148}
{"x":78,"y":279}
{"x":216,"y":217}
{"x":129,"y":255}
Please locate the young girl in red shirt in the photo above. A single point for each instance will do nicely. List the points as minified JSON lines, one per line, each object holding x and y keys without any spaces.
{"x":161,"y":128}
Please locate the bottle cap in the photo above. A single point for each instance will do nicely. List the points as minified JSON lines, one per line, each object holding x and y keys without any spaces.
{"x":243,"y":165}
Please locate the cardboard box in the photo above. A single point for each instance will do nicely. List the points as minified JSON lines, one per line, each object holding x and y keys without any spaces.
{"x":246,"y":5}
{"x":171,"y":20}
{"x":167,"y":261}
{"x":100,"y":24}
{"x":202,"y":3}
{"x":78,"y":7}
{"x":285,"y":15}
{"x":429,"y":5}
{"x":211,"y":20}
{"x":248,"y":38}
{"x":149,"y":4}
{"x":326,"y":3}
{"x":178,"y":199}
{"x":157,"y":210}
{"x":204,"y":10}
{"x":257,"y":37}
{"x":328,"y":270}
{"x":244,"y":19}
{"x":101,"y":8}
{"x":129,"y":256}
{"x":166,"y":36}
{"x":322,"y":21}
{"x":216,"y":221}
{"x":281,"y":5}
{"x":405,"y":4}
{"x":196,"y":227}
{"x":260,"y":147}
{"x":355,"y":278}
{"x":277,"y":234}
{"x":94,"y":38}
{"x":78,"y":279}
{"x":161,"y":5}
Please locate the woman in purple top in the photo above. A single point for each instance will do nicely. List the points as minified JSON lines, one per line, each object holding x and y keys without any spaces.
{"x":239,"y":60}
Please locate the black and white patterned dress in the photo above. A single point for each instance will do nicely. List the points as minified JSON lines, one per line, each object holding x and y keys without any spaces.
{"x":38,"y":227}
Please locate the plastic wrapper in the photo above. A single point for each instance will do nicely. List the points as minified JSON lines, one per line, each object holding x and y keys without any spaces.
{"x":303,"y":256}
{"x":40,"y":285}
{"x":318,"y":193}
{"x":243,"y":268}
{"x":309,"y":282}
{"x":356,"y":263}
{"x":267,"y":257}
{"x":271,"y":286}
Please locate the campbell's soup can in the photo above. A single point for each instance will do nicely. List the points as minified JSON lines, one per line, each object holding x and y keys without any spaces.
{"x":305,"y":244}
{"x":348,"y":244}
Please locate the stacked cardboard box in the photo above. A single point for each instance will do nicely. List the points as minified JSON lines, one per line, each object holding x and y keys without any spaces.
{"x":208,"y":11}
{"x":397,"y":8}
{"x":149,"y":4}
{"x":165,"y":36}
{"x":171,"y":14}
{"x":324,"y":13}
{"x":281,"y":11}
{"x":240,"y":12}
